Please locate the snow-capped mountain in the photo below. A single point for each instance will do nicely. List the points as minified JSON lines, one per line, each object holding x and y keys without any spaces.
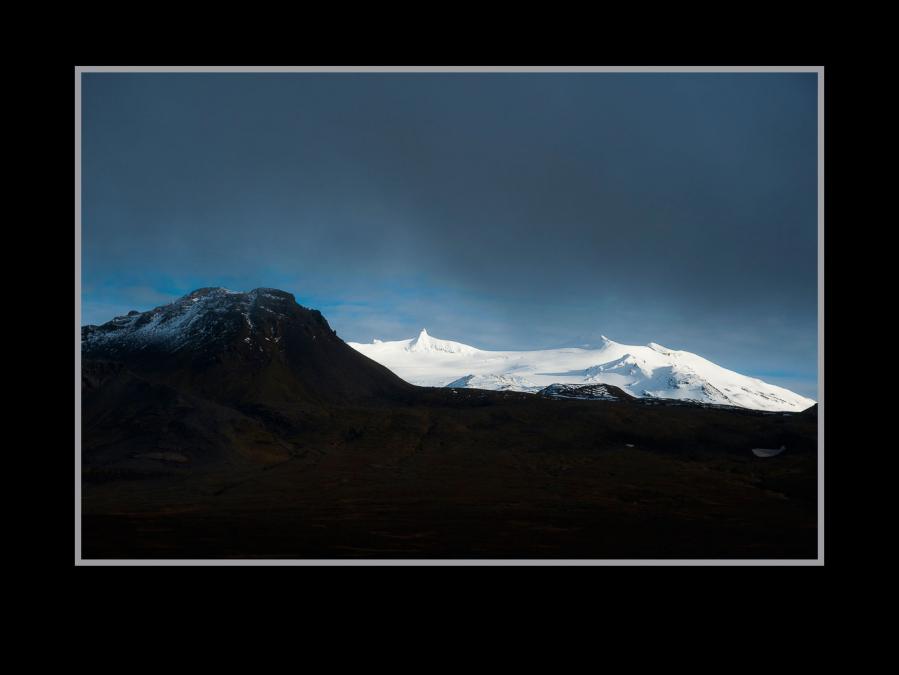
{"x":650,"y":371}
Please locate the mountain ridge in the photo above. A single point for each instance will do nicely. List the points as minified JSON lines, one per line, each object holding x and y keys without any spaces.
{"x":234,"y":346}
{"x":257,"y":332}
{"x":650,"y":371}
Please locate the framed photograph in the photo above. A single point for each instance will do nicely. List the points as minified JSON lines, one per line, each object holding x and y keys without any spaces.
{"x":408,"y":315}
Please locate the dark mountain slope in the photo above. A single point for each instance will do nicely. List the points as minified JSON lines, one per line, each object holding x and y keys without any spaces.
{"x":244,"y":348}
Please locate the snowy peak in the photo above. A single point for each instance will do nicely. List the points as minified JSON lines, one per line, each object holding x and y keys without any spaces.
{"x":424,"y":343}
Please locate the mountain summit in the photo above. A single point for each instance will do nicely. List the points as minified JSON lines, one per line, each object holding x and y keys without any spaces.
{"x":424,"y":343}
{"x":650,"y":371}
{"x":242,"y":345}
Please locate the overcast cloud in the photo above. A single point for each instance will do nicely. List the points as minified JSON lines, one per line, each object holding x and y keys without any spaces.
{"x":504,"y":211}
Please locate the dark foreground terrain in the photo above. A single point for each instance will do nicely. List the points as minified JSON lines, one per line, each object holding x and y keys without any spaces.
{"x":234,"y":444}
{"x":476,"y":474}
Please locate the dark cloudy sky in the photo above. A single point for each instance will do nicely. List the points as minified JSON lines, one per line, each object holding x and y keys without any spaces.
{"x":501,"y":210}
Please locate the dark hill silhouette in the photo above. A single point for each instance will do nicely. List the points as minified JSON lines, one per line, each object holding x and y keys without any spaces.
{"x":244,"y":348}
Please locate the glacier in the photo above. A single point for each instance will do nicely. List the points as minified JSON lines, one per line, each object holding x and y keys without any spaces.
{"x":644,"y":371}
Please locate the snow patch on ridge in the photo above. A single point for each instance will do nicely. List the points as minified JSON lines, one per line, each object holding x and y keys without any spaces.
{"x":203,"y":315}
